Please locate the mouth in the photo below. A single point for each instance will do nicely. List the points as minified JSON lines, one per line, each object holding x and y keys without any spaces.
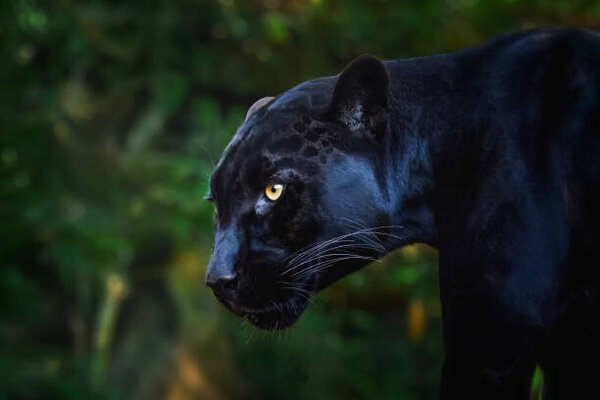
{"x":279,"y":315}
{"x":276,"y":314}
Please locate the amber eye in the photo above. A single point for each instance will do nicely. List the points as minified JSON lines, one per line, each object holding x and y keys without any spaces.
{"x":273,"y":191}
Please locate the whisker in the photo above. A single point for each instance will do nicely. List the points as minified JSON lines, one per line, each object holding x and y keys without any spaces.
{"x":322,"y":266}
{"x":373,"y":239}
{"x":327,"y":252}
{"x":313,"y":252}
{"x":324,"y":254}
{"x":299,"y":291}
{"x":343,"y":236}
{"x":314,"y":247}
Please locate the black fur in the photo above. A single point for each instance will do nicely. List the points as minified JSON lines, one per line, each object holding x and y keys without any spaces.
{"x":491,"y":154}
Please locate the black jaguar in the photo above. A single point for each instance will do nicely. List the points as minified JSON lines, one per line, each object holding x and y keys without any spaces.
{"x":491,"y":154}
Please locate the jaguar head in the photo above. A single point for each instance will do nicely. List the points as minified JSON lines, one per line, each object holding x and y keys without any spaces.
{"x":300,"y":195}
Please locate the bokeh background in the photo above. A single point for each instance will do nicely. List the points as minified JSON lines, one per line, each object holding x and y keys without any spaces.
{"x":112,"y":115}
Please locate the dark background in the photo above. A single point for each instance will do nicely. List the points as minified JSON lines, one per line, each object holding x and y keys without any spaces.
{"x":112,"y":115}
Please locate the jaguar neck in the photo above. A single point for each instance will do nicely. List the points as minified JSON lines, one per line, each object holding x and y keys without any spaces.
{"x":427,"y":115}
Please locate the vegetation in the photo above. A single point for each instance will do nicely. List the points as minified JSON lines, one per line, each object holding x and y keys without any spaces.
{"x":112,"y":115}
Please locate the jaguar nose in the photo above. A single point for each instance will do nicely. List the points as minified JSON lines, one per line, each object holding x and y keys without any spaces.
{"x":223,"y":285}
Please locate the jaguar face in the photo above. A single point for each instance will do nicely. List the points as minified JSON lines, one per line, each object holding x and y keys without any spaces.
{"x":300,"y":195}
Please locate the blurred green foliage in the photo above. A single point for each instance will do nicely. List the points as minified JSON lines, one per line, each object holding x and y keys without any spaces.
{"x":112,"y":115}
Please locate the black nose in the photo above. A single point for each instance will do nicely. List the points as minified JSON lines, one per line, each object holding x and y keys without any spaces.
{"x":223,"y":285}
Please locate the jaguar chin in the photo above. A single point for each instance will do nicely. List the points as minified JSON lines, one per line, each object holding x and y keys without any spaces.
{"x":279,"y":315}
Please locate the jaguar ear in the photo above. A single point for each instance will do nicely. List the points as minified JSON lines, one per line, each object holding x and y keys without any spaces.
{"x":258,"y":104}
{"x":360,"y":97}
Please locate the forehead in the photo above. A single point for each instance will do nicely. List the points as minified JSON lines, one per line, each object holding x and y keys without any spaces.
{"x":308,"y":95}
{"x":286,"y":133}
